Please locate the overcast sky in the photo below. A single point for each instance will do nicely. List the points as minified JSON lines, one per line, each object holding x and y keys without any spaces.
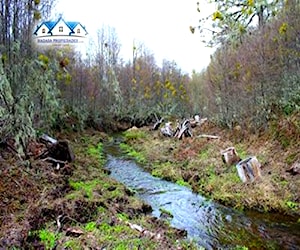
{"x":161,"y":25}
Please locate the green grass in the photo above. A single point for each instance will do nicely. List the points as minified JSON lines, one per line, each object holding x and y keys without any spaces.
{"x":292,"y":205}
{"x":87,"y":187}
{"x":90,"y":226}
{"x":203,"y":155}
{"x":97,"y":152}
{"x":138,"y":156}
{"x":181,"y":182}
{"x":48,"y":238}
{"x":134,"y":134}
{"x":72,"y":244}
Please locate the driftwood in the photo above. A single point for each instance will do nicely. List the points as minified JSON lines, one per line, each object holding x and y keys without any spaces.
{"x":183,"y":129}
{"x":209,"y":136}
{"x":249,"y":169}
{"x":167,"y":130}
{"x":157,"y":124}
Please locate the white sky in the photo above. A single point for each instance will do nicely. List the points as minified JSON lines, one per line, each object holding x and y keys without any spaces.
{"x":161,"y":25}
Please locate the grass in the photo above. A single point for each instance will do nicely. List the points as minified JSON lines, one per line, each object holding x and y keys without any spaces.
{"x":174,"y":160}
{"x":166,"y":170}
{"x":90,"y":226}
{"x":97,"y":152}
{"x":87,"y":187}
{"x":204,"y":155}
{"x":181,"y":182}
{"x":48,"y":238}
{"x":134,"y":134}
{"x":130,"y":151}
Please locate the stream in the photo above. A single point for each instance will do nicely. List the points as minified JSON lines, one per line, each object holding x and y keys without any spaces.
{"x":209,"y":224}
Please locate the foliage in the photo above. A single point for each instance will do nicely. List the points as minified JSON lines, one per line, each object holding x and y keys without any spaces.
{"x":249,"y":84}
{"x":25,"y":107}
{"x":290,"y":99}
{"x":292,"y":205}
{"x":230,"y":20}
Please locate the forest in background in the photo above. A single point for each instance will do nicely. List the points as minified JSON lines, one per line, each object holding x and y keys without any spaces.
{"x":253,"y":76}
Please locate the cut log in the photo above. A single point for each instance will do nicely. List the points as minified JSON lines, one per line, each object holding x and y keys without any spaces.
{"x":230,"y":156}
{"x":249,"y":169}
{"x":196,"y":121}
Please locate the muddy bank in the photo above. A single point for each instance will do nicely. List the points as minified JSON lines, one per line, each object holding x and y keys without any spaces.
{"x":78,"y":206}
{"x":197,"y":163}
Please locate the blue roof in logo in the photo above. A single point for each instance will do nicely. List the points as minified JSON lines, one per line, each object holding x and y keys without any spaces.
{"x":51,"y":25}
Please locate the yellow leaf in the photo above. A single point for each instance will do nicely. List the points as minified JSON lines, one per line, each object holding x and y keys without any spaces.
{"x":217,"y":15}
{"x":251,"y":3}
{"x":283,"y":28}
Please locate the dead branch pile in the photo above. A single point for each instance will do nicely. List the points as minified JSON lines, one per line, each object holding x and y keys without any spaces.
{"x":183,"y":129}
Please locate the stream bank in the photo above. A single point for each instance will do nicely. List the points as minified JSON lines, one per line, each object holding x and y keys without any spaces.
{"x":211,"y":225}
{"x":76,"y":207}
{"x":197,"y":163}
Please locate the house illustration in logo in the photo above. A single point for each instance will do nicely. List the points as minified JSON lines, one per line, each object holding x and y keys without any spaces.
{"x":59,"y":32}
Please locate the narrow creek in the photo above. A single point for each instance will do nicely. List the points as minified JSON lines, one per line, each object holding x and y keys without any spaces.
{"x":210,"y":224}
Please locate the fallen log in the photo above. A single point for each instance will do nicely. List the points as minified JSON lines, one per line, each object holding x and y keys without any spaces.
{"x":208,"y":136}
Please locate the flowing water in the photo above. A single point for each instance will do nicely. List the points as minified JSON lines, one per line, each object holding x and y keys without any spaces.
{"x":210,"y":224}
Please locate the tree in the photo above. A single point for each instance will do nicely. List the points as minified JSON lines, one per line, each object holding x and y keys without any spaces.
{"x":233,"y":18}
{"x":17,"y":21}
{"x":28,"y":93}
